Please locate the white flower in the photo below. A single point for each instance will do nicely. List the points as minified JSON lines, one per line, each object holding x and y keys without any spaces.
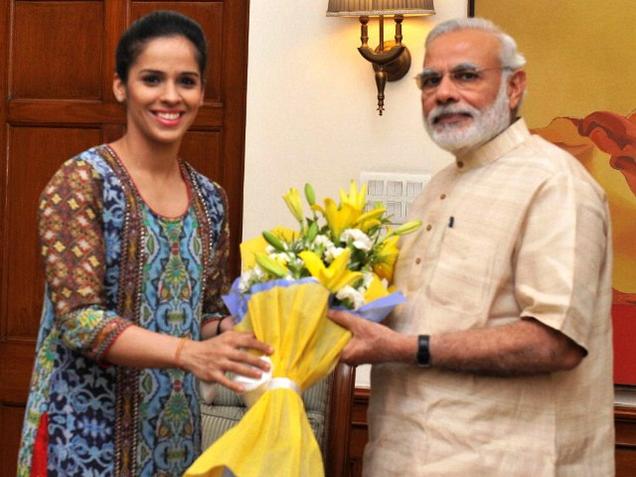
{"x":332,"y":252}
{"x":352,"y":295}
{"x":280,"y":257}
{"x":244,"y":283}
{"x":249,"y":277}
{"x":358,"y":239}
{"x":322,"y":240}
{"x":259,"y":273}
{"x":367,"y":277}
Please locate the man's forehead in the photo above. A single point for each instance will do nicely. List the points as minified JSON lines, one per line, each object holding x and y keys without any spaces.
{"x":470,"y":46}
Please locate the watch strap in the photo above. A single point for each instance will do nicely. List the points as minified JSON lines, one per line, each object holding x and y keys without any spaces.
{"x":423,"y":354}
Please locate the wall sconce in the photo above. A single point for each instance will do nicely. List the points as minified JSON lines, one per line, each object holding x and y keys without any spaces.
{"x":391,"y":60}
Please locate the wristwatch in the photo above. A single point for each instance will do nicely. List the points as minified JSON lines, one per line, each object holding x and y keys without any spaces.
{"x":423,"y":354}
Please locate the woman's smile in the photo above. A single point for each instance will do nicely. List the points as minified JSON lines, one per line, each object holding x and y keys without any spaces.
{"x":168,"y":118}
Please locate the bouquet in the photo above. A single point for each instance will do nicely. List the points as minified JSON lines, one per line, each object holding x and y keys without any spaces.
{"x":343,"y":255}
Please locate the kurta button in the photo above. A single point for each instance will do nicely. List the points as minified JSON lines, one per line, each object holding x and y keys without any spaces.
{"x":429,"y":227}
{"x":443,"y":196}
{"x":460,"y":164}
{"x":418,"y":260}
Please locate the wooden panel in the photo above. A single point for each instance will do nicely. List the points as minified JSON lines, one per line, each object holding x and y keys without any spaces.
{"x":49,"y":61}
{"x":15,"y":371}
{"x":202,"y":149}
{"x":625,"y":419}
{"x":625,"y":462}
{"x":115,"y":23}
{"x":359,"y":433}
{"x":235,"y":32}
{"x":34,"y":155}
{"x":5,"y":13}
{"x":210,"y":16}
{"x":11,"y":425}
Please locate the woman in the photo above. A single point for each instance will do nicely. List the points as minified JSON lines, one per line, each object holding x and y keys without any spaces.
{"x":135,"y":244}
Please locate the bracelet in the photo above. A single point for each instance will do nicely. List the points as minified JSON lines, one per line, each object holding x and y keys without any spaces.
{"x":218,"y":326}
{"x":177,"y":352}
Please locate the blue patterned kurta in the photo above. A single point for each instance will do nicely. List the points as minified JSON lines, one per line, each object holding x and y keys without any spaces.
{"x":112,"y":262}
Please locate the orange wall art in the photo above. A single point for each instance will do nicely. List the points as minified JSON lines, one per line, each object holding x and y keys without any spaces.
{"x":582,"y":97}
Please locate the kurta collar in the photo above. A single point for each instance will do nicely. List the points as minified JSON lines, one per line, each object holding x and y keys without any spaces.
{"x":498,"y":146}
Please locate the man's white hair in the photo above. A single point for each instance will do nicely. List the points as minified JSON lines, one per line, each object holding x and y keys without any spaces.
{"x":509,"y":56}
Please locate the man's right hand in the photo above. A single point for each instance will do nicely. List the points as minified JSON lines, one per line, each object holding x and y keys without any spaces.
{"x":372,"y":342}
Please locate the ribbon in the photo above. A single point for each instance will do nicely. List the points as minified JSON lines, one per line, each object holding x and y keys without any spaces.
{"x":283,"y":383}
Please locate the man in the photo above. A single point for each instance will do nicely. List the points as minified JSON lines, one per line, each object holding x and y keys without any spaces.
{"x":500,"y":362}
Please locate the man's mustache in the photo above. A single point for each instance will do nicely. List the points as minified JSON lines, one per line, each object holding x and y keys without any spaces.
{"x":440,"y":111}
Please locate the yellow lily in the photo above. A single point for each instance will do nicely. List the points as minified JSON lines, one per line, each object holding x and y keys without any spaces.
{"x":334,"y":277}
{"x":286,"y":234}
{"x":339,"y":218}
{"x":256,"y":245}
{"x":369,"y":219}
{"x":356,"y":199}
{"x":386,"y":257}
{"x":292,"y":199}
{"x":375,"y":290}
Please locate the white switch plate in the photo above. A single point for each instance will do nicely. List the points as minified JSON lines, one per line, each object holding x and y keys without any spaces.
{"x":395,"y":190}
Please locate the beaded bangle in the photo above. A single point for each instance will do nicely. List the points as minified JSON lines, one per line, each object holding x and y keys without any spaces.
{"x":112,"y":334}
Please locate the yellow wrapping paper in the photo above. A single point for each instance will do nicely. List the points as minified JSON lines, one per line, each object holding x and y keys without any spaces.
{"x":274,"y":437}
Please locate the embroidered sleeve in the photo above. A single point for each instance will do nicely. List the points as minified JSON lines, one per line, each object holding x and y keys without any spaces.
{"x":216,"y":274}
{"x":72,"y":246}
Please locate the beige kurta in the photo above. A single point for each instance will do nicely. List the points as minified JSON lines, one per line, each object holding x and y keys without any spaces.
{"x":516,"y":229}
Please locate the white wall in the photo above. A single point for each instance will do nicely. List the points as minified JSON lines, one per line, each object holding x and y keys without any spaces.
{"x":311,"y":107}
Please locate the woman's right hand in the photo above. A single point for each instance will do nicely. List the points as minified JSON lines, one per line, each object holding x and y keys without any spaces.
{"x":210,"y":359}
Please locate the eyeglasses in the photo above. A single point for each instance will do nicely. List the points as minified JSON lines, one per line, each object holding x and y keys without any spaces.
{"x":463,"y":77}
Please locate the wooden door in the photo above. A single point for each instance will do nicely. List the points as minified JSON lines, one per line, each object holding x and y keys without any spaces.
{"x":56,"y":71}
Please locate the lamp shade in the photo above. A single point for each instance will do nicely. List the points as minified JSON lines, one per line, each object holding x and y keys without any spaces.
{"x":357,"y":8}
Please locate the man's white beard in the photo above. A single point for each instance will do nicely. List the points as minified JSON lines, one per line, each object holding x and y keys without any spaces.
{"x":486,"y":123}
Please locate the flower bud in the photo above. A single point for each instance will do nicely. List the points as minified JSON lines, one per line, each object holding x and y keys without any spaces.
{"x":408,"y":227}
{"x":271,"y":266}
{"x":292,"y":199}
{"x":274,"y":241}
{"x":310,"y":195}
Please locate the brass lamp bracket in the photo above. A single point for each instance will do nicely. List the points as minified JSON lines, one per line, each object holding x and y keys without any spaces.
{"x":397,"y":68}
{"x":390,"y":60}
